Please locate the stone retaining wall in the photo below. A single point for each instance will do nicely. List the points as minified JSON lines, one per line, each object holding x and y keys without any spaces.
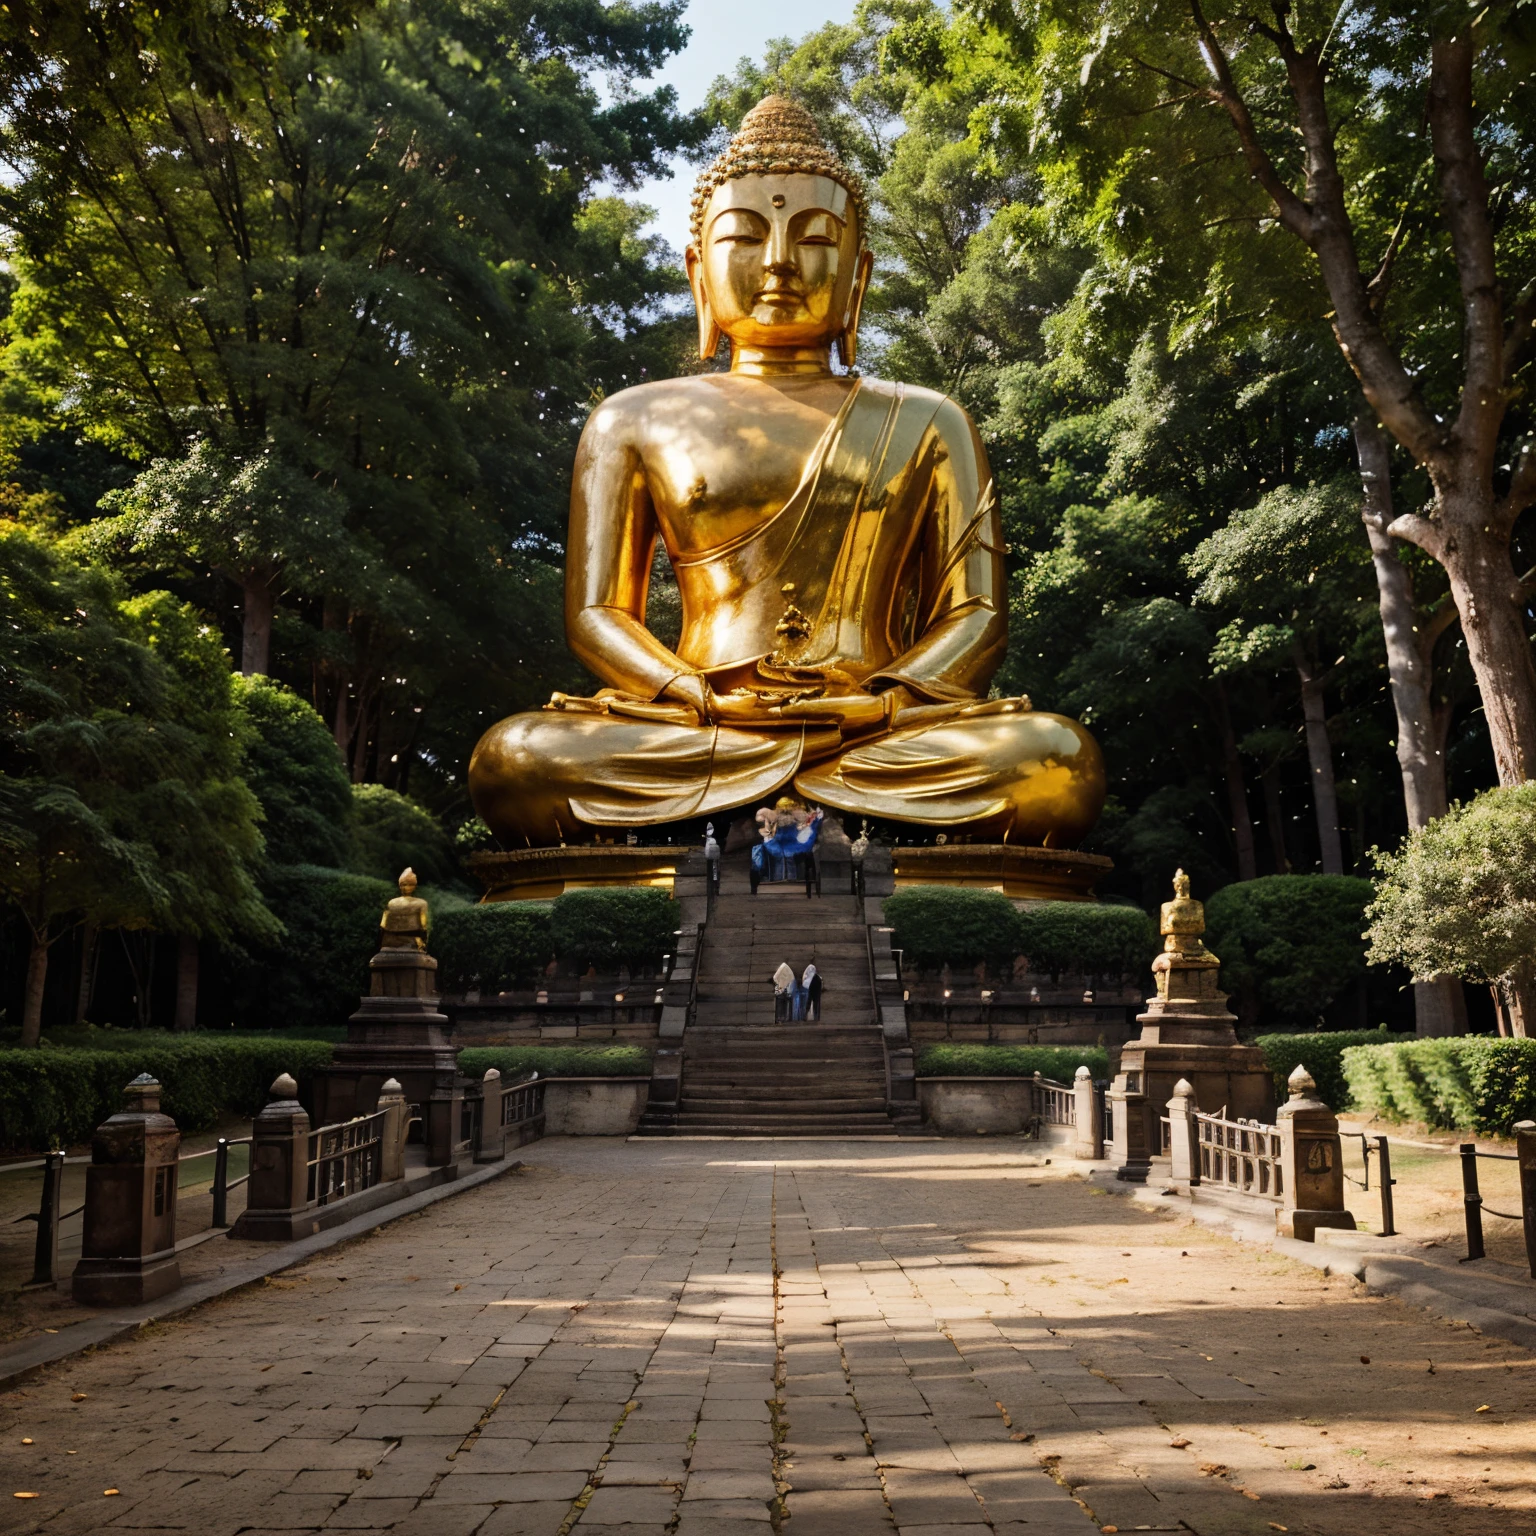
{"x":594,"y":1106}
{"x":969,"y":1106}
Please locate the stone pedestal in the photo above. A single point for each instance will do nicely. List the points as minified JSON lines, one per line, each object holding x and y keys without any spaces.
{"x":1312,"y":1167}
{"x":277,"y":1197}
{"x":397,"y":1032}
{"x":128,"y":1252}
{"x":1186,"y":1033}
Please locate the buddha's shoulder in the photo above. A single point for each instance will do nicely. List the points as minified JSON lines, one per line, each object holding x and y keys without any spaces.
{"x":636,"y":408}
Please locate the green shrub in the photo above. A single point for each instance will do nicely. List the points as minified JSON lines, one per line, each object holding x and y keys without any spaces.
{"x":390,"y":831}
{"x":1086,"y":937}
{"x":1471,"y":1083}
{"x":57,"y":1096}
{"x":614,"y":925}
{"x":294,"y":769}
{"x":494,"y":946}
{"x":1058,"y":1061}
{"x":514,"y":1061}
{"x":316,"y":975}
{"x":1321,"y":1053}
{"x":1289,"y":944}
{"x":939,"y":925}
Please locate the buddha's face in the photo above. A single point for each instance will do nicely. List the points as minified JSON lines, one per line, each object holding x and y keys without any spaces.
{"x":777,"y":260}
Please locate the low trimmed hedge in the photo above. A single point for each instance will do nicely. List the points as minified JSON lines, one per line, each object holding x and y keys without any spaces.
{"x":607,"y":927}
{"x":514,"y":1061}
{"x":1469,"y":1083}
{"x":57,"y":1096}
{"x":493,"y":946}
{"x":1087,"y":938}
{"x":1057,"y":1061}
{"x":1321,"y":1053}
{"x":938,"y":925}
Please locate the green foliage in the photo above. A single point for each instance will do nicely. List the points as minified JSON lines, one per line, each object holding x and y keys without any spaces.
{"x":294,"y":770}
{"x":391,"y":833}
{"x":611,"y":926}
{"x":1321,"y":1052}
{"x":57,"y":1096}
{"x":314,"y":978}
{"x":1054,"y":1061}
{"x":1473,"y":1083}
{"x":517,"y":1061}
{"x":1086,"y":937}
{"x":121,"y":800}
{"x":1289,"y":943}
{"x":1459,"y":897}
{"x":939,"y":925}
{"x":339,"y":281}
{"x":494,"y":946}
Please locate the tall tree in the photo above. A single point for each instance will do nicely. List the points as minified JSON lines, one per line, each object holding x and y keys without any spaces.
{"x":341,"y":277}
{"x":1310,"y":120}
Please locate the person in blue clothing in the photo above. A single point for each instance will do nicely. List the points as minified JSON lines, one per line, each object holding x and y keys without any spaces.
{"x":788,"y":837}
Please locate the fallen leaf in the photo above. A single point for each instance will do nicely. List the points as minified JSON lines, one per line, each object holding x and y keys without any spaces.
{"x":1207,"y":1357}
{"x":23,"y":1495}
{"x":1338,"y":1482}
{"x":1432,"y":1493}
{"x":459,"y":1286}
{"x":50,"y":1330}
{"x":110,"y":1493}
{"x":1112,"y":1529}
{"x":1019,"y":1434}
{"x":1486,"y":1408}
{"x":1248,"y":1493}
{"x":1179,"y":1444}
{"x":1211,"y":1469}
{"x":77,"y":1397}
{"x":1365,"y":1359}
{"x":27,"y":1441}
{"x":1275,"y":1525}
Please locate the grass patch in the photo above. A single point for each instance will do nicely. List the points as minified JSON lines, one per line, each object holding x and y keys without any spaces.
{"x":514,"y":1061}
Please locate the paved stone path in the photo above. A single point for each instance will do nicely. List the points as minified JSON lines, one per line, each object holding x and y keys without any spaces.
{"x":818,"y":1338}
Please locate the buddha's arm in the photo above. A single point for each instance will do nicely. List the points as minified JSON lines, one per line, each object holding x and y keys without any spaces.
{"x":608,"y":559}
{"x":961,"y":629}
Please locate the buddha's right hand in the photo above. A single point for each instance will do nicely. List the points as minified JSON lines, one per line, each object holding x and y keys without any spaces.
{"x":740,"y":708}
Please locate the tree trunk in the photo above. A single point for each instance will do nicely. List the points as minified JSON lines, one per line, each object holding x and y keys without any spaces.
{"x":1237,"y":790}
{"x":32,"y":1004}
{"x":87,"y":984}
{"x":256,"y":639}
{"x":1325,"y":798}
{"x":1409,"y":671}
{"x":1439,"y":1006}
{"x":1488,"y":598}
{"x":186,"y":983}
{"x":1274,"y":818}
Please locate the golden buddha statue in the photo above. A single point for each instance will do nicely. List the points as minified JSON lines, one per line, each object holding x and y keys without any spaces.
{"x":838,"y":552}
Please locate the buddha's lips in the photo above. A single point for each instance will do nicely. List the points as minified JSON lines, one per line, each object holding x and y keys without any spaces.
{"x":778,"y":296}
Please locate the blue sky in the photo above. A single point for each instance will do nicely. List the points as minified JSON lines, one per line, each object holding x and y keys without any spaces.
{"x":723,"y":32}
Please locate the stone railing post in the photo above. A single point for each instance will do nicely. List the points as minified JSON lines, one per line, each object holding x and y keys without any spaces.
{"x":1184,"y":1134}
{"x":394,"y":1128}
{"x":277,"y":1197}
{"x":490,"y":1143}
{"x":1129,"y":1149}
{"x":1087,"y":1122}
{"x":128,"y":1252}
{"x":1312,"y":1168}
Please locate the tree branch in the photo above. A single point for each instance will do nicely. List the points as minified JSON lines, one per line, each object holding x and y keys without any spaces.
{"x":1520,"y":337}
{"x":1422,"y":532}
{"x":1522,"y":487}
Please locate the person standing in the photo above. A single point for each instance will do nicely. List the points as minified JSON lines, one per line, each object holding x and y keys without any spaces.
{"x":783,"y":993}
{"x":810,"y":994}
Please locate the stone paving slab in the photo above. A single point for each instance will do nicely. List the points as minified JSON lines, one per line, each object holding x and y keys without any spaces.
{"x":809,"y":1339}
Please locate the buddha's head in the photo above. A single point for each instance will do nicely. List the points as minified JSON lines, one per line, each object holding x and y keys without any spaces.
{"x":777,"y":259}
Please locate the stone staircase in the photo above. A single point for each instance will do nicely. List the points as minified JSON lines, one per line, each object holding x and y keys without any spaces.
{"x":744,"y":1074}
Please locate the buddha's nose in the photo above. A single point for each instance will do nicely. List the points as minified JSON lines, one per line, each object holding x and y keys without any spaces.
{"x":779,"y":257}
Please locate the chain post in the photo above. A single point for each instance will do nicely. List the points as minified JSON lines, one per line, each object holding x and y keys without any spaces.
{"x":45,"y":1261}
{"x":221,"y":1183}
{"x":1472,"y":1200}
{"x":1384,"y":1174}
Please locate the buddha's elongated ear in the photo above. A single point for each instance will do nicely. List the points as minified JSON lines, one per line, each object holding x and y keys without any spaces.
{"x":848,"y":337}
{"x":709,"y":332}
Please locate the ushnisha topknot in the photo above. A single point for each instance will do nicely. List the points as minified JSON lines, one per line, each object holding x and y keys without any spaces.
{"x":778,"y":137}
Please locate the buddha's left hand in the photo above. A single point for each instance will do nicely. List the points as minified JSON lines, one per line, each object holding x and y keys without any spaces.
{"x":851,"y":711}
